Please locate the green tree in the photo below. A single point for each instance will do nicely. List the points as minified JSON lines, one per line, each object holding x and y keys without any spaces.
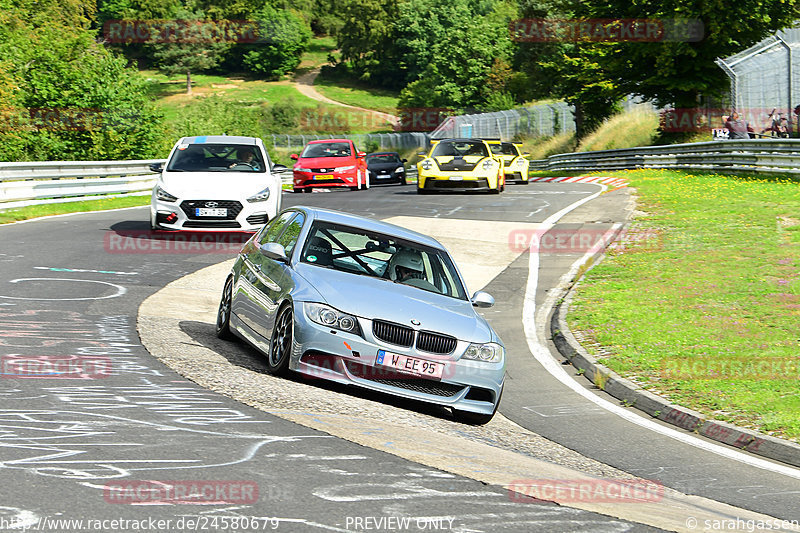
{"x":678,"y":72}
{"x":368,"y":42}
{"x":65,"y":96}
{"x":449,"y":49}
{"x":283,"y":38}
{"x":189,"y":44}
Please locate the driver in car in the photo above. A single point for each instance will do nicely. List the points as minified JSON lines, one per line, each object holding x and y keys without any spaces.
{"x":407,"y":264}
{"x":246,"y":157}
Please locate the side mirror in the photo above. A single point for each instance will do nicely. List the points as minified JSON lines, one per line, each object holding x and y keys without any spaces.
{"x":405,"y":160}
{"x":362,"y":154}
{"x":482,"y":299}
{"x":295,"y":157}
{"x":526,"y":154}
{"x":275,"y":251}
{"x":156,"y":167}
{"x":278,"y":169}
{"x":422,"y":154}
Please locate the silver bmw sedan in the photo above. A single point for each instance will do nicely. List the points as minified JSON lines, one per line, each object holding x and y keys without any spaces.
{"x":366,"y":303}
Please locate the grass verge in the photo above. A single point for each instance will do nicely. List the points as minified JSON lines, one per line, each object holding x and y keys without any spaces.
{"x":36,"y":211}
{"x":702,"y":306}
{"x":352,"y":93}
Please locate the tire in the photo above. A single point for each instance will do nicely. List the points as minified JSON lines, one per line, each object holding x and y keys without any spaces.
{"x":354,"y":188}
{"x":223,"y":327}
{"x":365,"y":185}
{"x":403,"y":181}
{"x":422,"y":191}
{"x":308,"y":190}
{"x":280,"y":346}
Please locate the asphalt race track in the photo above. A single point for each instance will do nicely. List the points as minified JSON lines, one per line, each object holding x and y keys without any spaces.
{"x":70,"y":293}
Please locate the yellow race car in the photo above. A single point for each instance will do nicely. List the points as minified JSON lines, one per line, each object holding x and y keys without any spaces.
{"x":516,"y":165}
{"x":460,"y":164}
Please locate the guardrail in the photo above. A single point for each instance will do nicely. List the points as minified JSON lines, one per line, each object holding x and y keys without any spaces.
{"x":34,"y":183}
{"x":755,"y":155}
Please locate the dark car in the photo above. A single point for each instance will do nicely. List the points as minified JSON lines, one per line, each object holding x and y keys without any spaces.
{"x":386,"y":167}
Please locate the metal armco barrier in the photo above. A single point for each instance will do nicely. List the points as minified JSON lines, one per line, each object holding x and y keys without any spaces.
{"x":756,"y":156}
{"x":33,"y":183}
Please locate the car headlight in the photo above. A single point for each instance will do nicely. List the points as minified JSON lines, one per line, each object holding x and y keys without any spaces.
{"x":299,"y":169}
{"x":326,"y":315}
{"x":489,"y":352}
{"x":260,"y":197}
{"x":521,"y":162}
{"x":426,"y":164}
{"x":400,"y":169}
{"x":342,"y":169}
{"x":163,"y":195}
{"x":488,"y":164}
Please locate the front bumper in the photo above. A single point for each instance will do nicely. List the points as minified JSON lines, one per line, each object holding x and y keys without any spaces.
{"x":303,"y":180}
{"x":182,"y":215}
{"x":451,"y":182}
{"x":348,"y":358}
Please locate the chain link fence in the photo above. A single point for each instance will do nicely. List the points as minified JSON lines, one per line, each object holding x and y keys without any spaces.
{"x":384,"y":140}
{"x":542,"y":120}
{"x":764,"y":77}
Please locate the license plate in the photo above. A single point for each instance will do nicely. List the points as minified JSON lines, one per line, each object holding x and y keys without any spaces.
{"x":208,"y":212}
{"x":455,"y":178}
{"x":412,"y":365}
{"x":324,"y":177}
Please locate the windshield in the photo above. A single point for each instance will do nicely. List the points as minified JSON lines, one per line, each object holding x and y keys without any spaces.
{"x":217,"y":158}
{"x":382,"y":256}
{"x":340,"y":149}
{"x":460,"y":149}
{"x":383,"y":158}
{"x":503,"y":149}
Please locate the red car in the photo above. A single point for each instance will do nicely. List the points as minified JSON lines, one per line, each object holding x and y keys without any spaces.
{"x":330,"y":163}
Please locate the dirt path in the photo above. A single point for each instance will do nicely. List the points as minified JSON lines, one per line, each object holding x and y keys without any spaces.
{"x":305,"y":84}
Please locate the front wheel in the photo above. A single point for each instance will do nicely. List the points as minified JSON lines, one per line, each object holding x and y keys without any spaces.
{"x":366,"y":181}
{"x":422,"y":191}
{"x":280,"y":347}
{"x":223,"y":327}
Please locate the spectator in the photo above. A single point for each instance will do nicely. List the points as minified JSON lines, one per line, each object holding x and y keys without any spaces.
{"x":737,"y":127}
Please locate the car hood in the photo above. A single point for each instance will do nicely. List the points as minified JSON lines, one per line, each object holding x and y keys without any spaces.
{"x":374,"y":298}
{"x":325,"y":162}
{"x":215,"y":185}
{"x":376,"y":167}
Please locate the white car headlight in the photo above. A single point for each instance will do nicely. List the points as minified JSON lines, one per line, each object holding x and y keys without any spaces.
{"x":399,"y":169}
{"x":426,"y":164}
{"x":299,"y":169}
{"x":488,"y":164}
{"x":521,"y":162}
{"x":326,"y":315}
{"x":260,"y":197}
{"x":163,"y":195}
{"x":489,"y":352}
{"x":342,"y":169}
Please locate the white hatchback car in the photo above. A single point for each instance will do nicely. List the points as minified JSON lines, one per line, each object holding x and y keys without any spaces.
{"x":216,"y":182}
